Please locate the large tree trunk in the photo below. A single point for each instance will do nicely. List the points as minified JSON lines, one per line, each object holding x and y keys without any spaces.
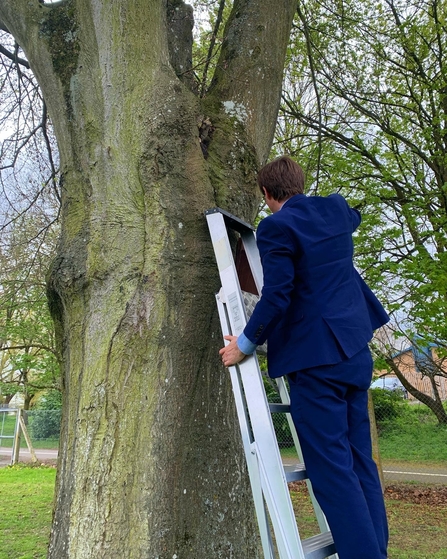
{"x":150,"y":460}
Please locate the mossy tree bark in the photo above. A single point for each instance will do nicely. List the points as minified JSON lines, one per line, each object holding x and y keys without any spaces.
{"x":150,"y":460}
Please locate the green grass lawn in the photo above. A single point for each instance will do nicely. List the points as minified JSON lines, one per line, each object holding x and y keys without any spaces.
{"x":26,"y":494}
{"x":414,"y":442}
{"x":417,"y":531}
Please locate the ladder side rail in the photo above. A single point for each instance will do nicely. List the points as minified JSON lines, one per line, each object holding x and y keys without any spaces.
{"x":227,"y":272}
{"x":246,"y":436}
{"x":275,"y":487}
{"x":287,"y":547}
{"x":259,"y":413}
{"x":321,"y":518}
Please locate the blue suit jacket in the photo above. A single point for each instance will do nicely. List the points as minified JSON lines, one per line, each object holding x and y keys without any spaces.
{"x":315,"y":309}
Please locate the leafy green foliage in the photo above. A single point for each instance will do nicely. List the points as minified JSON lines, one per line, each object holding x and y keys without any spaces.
{"x":29,"y":361}
{"x":45,"y":424}
{"x":365,"y":110}
{"x":388,"y":404}
{"x":45,"y":417}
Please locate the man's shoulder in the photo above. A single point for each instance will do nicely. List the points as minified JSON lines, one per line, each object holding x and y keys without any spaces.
{"x":268,"y":220}
{"x":303,"y":200}
{"x":333,"y":197}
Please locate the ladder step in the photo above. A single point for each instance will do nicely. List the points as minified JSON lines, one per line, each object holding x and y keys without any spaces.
{"x":297,"y":472}
{"x":319,"y":547}
{"x":279,"y":408}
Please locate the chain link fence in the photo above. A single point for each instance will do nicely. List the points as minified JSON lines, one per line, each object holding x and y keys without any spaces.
{"x":412,"y":438}
{"x":27,"y":433}
{"x":412,"y":441}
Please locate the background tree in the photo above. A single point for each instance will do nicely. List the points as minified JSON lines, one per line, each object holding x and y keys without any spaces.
{"x":30,"y":361}
{"x":150,"y":461}
{"x":29,"y":205}
{"x":365,"y":105}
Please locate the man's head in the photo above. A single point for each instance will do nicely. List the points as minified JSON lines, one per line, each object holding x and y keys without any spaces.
{"x":281,"y":178}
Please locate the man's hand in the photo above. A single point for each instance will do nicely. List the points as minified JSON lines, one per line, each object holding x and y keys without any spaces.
{"x":231,"y":354}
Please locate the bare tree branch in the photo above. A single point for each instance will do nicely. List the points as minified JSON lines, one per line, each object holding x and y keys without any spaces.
{"x":211,"y":46}
{"x":13,"y":57}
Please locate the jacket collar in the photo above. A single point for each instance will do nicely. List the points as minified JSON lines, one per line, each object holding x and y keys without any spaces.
{"x":293,"y":199}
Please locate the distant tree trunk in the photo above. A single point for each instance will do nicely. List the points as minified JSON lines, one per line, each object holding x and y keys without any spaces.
{"x":150,"y":459}
{"x":435,"y":403}
{"x":26,"y":397}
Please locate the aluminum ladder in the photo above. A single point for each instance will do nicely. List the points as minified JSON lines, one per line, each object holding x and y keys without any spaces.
{"x":268,"y":476}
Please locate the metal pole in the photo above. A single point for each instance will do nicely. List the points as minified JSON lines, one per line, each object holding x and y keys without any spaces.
{"x":16,"y":442}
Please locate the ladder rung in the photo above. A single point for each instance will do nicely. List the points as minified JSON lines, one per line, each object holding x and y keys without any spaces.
{"x":279,"y":408}
{"x":319,"y":547}
{"x":297,"y":472}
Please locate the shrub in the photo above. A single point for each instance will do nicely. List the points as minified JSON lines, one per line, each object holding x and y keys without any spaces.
{"x":45,"y":424}
{"x":388,"y":404}
{"x":45,"y":419}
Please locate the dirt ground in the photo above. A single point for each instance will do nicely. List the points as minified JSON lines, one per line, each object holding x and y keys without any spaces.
{"x":416,"y":516}
{"x":421,"y":495}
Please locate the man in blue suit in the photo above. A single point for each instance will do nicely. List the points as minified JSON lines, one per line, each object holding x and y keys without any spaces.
{"x":318,"y":316}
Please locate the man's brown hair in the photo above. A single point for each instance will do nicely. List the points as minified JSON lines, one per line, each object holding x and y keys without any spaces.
{"x":282,"y":178}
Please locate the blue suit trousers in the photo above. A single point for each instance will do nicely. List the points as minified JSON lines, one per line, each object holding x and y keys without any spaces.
{"x":329,"y":406}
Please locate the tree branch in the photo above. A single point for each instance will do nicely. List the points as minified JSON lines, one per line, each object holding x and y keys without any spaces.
{"x":24,"y":20}
{"x":315,"y":87}
{"x":249,"y":73}
{"x":180,"y":22}
{"x":30,"y":346}
{"x":54,"y":171}
{"x":13,"y":57}
{"x":211,"y":46}
{"x":15,"y":17}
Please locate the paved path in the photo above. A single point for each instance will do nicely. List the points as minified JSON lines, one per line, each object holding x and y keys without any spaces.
{"x":402,"y":471}
{"x":393,"y":471}
{"x":398,"y":471}
{"x":43,"y":455}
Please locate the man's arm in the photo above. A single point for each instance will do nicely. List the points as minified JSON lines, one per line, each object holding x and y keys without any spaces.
{"x":277,"y":257}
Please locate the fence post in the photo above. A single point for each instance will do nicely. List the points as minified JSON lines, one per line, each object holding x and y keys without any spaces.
{"x":16,"y":442}
{"x":375,"y":439}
